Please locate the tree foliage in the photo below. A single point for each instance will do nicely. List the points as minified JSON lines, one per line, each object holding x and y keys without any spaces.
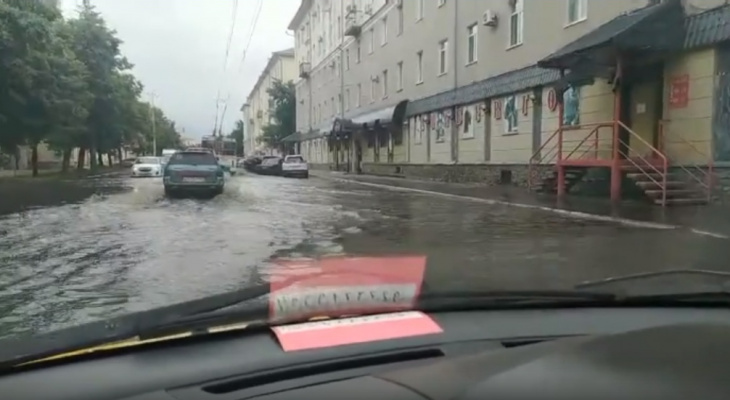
{"x":64,"y":82}
{"x":237,"y":134}
{"x":283,"y":98}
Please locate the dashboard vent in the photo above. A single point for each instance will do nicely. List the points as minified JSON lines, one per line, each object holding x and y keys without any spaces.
{"x":303,"y":371}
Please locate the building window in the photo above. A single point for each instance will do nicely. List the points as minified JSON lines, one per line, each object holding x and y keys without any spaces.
{"x":419,"y":9}
{"x":467,"y":131}
{"x":384,"y":24}
{"x":358,"y":54}
{"x":347,"y":59}
{"x":419,"y":67}
{"x":516,"y":26}
{"x":372,"y":90}
{"x":400,"y":21}
{"x":385,"y":83}
{"x":471,"y":44}
{"x":511,"y":117}
{"x":347,"y":99}
{"x":577,"y":10}
{"x":371,"y":41}
{"x":358,"y":94}
{"x":571,"y":104}
{"x":443,"y":57}
{"x":399,"y":86}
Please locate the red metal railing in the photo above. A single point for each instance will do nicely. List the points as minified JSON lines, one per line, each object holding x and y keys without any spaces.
{"x":702,"y":176}
{"x":552,"y":152}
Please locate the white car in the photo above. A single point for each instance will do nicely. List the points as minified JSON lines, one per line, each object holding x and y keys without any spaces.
{"x":147,"y":166}
{"x":295,"y":166}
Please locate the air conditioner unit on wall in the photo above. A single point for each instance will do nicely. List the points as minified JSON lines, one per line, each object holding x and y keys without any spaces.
{"x":489,"y":18}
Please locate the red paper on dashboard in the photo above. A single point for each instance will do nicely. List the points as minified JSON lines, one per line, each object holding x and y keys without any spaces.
{"x":345,"y":331}
{"x":345,"y":285}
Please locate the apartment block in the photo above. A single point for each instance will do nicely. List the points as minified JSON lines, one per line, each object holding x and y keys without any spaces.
{"x":257,"y":111}
{"x":485,"y":90}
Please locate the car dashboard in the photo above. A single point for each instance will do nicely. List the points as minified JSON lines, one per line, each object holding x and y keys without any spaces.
{"x":599,"y":353}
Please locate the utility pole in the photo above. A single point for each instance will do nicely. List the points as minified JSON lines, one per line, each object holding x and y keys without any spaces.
{"x":153,"y":95}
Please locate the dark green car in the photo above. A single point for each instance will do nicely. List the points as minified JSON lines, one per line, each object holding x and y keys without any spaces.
{"x":194,"y":172}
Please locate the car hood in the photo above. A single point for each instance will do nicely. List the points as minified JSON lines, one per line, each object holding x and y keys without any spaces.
{"x":191,"y":167}
{"x":146,"y":165}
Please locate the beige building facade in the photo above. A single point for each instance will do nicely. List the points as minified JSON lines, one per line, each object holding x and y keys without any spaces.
{"x":257,"y":110}
{"x":475,"y":102}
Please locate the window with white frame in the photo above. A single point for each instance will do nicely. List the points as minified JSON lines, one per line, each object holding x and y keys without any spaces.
{"x":347,"y":59}
{"x":467,"y":121}
{"x":400,"y":21}
{"x":577,"y":10}
{"x":384,"y":24}
{"x":419,"y":9}
{"x":372,"y":90}
{"x":471,"y":44}
{"x":419,"y":67}
{"x":371,"y":41}
{"x":358,"y":95}
{"x":385,"y":83}
{"x":443,"y":57}
{"x":516,"y":23}
{"x":399,"y":82}
{"x":347,"y":99}
{"x":358,"y":54}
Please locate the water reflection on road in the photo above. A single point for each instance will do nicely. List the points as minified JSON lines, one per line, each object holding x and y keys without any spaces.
{"x":136,"y":250}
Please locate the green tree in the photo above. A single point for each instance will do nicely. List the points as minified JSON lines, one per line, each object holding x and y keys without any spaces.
{"x":283,"y":97}
{"x":237,"y":134}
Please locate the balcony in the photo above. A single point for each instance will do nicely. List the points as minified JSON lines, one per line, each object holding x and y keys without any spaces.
{"x":352,"y":26}
{"x":305,"y":69}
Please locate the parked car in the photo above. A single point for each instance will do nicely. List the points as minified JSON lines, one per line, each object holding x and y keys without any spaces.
{"x":295,"y":166}
{"x":147,"y":167}
{"x":270,"y":165}
{"x":251,"y":163}
{"x":193,"y":172}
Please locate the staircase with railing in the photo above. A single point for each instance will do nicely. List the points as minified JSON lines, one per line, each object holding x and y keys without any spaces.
{"x":633,"y":157}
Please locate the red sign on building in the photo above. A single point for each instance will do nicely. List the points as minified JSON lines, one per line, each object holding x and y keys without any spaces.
{"x":679,"y":91}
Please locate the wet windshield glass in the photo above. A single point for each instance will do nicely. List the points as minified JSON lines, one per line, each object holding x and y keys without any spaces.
{"x":531,"y":168}
{"x":294,"y":160}
{"x":193,"y":159}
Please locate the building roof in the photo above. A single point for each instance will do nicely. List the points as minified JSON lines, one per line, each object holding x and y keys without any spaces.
{"x":286,"y":53}
{"x":304,"y":7}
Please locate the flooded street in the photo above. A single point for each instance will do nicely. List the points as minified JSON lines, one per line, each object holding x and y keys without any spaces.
{"x":128,"y":248}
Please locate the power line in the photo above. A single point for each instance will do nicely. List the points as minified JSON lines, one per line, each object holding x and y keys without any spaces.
{"x":232,"y":30}
{"x":257,"y":14}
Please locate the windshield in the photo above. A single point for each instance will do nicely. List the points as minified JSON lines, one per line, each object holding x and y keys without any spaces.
{"x":294,"y":160}
{"x":193,"y":159}
{"x":526,"y":169}
{"x":147,"y":160}
{"x":271,"y":161}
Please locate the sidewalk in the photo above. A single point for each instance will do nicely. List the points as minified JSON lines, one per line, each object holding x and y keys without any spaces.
{"x":710,"y":220}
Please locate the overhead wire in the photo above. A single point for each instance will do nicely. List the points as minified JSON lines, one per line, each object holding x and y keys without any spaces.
{"x":231,"y":32}
{"x":254,"y":23}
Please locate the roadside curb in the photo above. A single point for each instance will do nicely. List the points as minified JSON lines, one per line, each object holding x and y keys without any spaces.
{"x":568,"y":213}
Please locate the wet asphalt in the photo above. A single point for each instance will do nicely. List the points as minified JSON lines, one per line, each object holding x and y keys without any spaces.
{"x":122,"y":246}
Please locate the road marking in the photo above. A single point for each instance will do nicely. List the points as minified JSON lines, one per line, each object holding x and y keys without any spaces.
{"x":572,"y":214}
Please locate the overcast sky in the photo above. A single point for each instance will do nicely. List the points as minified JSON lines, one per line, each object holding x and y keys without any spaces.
{"x":178,"y":48}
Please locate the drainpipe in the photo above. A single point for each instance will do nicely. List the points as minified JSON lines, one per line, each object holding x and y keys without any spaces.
{"x":454,"y":129}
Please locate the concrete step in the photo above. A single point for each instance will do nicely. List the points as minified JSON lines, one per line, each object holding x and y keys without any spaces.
{"x":683,"y":201}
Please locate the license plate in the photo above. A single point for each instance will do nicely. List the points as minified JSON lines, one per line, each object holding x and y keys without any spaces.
{"x":194,"y":180}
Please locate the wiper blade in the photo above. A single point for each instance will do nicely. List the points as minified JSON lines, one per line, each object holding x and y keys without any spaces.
{"x":720,"y":298}
{"x":14,"y":351}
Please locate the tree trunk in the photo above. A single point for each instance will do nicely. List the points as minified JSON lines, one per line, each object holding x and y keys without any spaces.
{"x":109,"y":160}
{"x":34,"y":158}
{"x":81,"y":159}
{"x":66,"y":162}
{"x":100,"y":159}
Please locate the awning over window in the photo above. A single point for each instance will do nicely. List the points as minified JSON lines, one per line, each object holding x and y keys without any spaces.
{"x":384,"y":117}
{"x":654,"y":28}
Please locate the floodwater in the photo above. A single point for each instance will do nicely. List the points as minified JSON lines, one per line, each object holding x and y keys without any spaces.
{"x":127,"y":248}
